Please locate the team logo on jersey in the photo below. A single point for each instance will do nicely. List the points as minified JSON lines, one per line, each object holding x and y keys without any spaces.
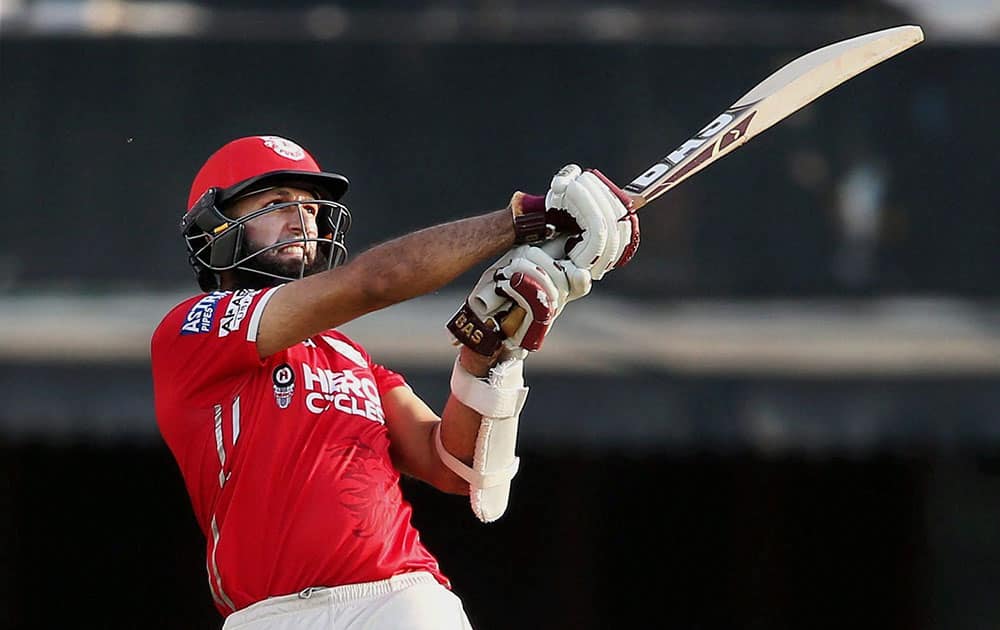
{"x":285,"y":148}
{"x":348,"y":391}
{"x":236,"y":311}
{"x":283,"y":378}
{"x":202,"y":315}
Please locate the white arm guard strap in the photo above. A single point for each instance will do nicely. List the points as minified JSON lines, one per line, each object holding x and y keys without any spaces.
{"x":499,"y":397}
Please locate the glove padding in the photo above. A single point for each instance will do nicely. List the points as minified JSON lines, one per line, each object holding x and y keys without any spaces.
{"x":525,"y":276}
{"x":606,"y":233}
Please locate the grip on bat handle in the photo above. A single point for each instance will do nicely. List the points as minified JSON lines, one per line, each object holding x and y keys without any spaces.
{"x":556,"y":248}
{"x":512,"y":321}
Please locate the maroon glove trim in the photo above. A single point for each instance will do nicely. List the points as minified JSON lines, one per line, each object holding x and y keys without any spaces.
{"x":541,"y":314}
{"x":633,"y":243}
{"x":529,"y":218}
{"x":621,"y":194}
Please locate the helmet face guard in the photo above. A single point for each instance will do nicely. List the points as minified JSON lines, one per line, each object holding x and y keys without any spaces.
{"x":217,"y":243}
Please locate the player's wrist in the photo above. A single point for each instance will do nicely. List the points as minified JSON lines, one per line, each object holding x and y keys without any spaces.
{"x":476,"y":364}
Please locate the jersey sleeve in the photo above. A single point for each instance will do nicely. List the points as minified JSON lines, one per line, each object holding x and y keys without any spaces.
{"x":209,"y":338}
{"x":386,"y":379}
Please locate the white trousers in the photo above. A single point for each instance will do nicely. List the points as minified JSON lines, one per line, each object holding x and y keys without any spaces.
{"x":411,"y":601}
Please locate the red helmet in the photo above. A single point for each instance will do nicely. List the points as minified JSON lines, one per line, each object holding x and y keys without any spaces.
{"x":245,"y":166}
{"x":253,"y":162}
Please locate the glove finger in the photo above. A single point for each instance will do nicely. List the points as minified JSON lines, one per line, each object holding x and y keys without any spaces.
{"x":556,"y":271}
{"x":610,"y":209}
{"x":579,"y":280}
{"x":622,"y":196}
{"x":555,"y":198}
{"x":628,"y":225}
{"x":589,"y":214}
{"x":552,"y":269}
{"x":514,"y":253}
{"x":563,"y":178}
{"x":629,"y":229}
{"x":528,"y":292}
{"x":549,"y":292}
{"x":573,"y":282}
{"x":615,"y":244}
{"x":485,"y":302}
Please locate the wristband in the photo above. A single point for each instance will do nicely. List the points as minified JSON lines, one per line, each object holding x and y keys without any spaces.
{"x":528,"y":212}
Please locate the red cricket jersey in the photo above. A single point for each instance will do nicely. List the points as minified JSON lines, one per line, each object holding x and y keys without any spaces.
{"x":286,"y":459}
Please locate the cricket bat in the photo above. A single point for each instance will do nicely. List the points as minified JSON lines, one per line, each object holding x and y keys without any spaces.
{"x":780,"y":95}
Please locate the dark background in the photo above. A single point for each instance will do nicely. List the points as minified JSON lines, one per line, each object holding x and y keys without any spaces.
{"x":648,"y":496}
{"x":106,"y":134}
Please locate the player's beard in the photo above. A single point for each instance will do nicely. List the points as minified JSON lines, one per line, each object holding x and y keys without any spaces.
{"x":247,"y":276}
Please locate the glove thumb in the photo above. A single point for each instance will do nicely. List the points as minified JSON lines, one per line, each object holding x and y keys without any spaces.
{"x":580,"y":280}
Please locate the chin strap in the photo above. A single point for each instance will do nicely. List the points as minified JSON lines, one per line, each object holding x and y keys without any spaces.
{"x":499,"y":398}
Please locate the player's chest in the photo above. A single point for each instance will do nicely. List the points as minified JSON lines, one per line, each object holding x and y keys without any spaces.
{"x":323,"y":376}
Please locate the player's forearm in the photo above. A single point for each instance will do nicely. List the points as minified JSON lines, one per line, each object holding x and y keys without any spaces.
{"x":389,"y":273}
{"x":460,"y":428}
{"x":460,"y":424}
{"x":485,"y":458}
{"x":426,"y":260}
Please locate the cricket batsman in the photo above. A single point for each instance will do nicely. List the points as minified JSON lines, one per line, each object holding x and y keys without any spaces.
{"x":292,"y":439}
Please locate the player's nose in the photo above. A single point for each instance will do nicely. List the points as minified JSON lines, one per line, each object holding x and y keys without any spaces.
{"x":300,"y":218}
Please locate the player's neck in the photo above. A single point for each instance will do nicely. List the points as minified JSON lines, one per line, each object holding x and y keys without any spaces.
{"x":246,"y":279}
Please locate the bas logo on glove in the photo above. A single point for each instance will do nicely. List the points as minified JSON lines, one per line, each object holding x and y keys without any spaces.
{"x":482,"y":336}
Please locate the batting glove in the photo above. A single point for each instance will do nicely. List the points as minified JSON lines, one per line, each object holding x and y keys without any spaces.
{"x":591,"y":209}
{"x":525,"y":276}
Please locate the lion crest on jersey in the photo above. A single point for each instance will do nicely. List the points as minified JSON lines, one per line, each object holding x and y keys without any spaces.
{"x":284,"y":147}
{"x":283,"y":378}
{"x":369,"y":492}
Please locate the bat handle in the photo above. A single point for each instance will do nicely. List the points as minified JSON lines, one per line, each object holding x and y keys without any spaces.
{"x":512,"y":321}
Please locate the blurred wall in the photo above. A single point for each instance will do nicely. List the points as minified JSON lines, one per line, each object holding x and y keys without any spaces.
{"x":881,"y":186}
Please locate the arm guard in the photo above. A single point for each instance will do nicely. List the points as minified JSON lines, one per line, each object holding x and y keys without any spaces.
{"x":499,"y":398}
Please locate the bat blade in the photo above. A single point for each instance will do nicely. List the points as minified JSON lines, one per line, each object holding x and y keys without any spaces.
{"x":780,"y":95}
{"x":786,"y":91}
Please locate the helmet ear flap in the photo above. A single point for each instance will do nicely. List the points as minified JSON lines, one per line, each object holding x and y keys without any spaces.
{"x":225,"y":248}
{"x":207,"y":251}
{"x":203,"y":214}
{"x":200,"y":226}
